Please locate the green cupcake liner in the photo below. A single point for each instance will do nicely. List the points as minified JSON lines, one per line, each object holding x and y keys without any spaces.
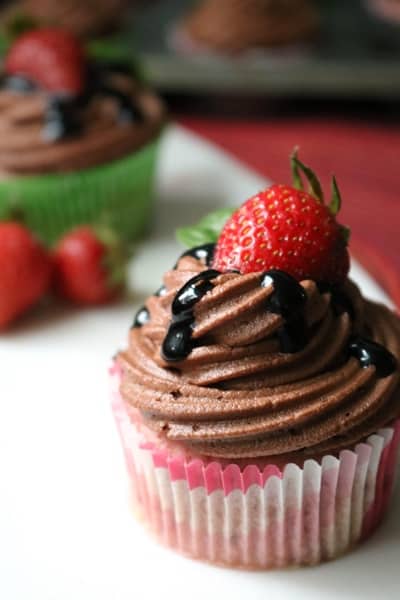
{"x":117,"y":194}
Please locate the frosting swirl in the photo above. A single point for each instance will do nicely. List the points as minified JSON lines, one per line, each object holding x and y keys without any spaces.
{"x":82,"y":18}
{"x":102,"y":136}
{"x":236,"y":394}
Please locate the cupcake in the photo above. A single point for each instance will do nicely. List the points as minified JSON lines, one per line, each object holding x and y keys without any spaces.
{"x":234,"y":26}
{"x":81,"y":18}
{"x":258,"y":396}
{"x":388,"y":10}
{"x":78,"y":139}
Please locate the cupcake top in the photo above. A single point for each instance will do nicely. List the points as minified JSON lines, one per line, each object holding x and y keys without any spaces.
{"x":249,"y":362}
{"x":82,"y":18}
{"x":236,"y":25}
{"x":60,"y":111}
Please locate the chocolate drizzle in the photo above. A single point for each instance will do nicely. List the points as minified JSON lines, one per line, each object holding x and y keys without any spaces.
{"x":128,"y":112}
{"x":370,"y":353}
{"x":18,"y":84}
{"x":61,"y":120}
{"x":237,"y":395}
{"x":63,"y":111}
{"x":288,"y":299}
{"x":340,"y":302}
{"x":142,"y":316}
{"x":293,"y":336}
{"x":205,"y":253}
{"x":178,"y":342}
{"x":162,"y":290}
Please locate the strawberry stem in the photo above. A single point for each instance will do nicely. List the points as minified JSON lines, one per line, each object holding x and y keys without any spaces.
{"x":13,"y":211}
{"x":313,"y":181}
{"x":297,"y":181}
{"x":20,"y":23}
{"x":336,"y":201}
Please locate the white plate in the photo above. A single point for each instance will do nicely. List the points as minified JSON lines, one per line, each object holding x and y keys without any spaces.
{"x":66,"y":531}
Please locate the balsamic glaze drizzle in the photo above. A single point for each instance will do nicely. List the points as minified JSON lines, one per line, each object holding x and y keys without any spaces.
{"x":178,"y":342}
{"x":368,"y":353}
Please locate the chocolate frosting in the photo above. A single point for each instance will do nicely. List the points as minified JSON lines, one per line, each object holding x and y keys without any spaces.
{"x":236,"y":25}
{"x":103,"y":137}
{"x":86,"y":18}
{"x":237,"y":394}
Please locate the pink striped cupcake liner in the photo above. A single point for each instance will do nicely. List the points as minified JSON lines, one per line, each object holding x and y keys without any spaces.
{"x":256,"y":517}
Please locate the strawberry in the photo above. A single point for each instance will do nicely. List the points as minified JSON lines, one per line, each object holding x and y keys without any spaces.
{"x":89,"y":266}
{"x":52,"y":58}
{"x":25,"y":271}
{"x":287,"y":228}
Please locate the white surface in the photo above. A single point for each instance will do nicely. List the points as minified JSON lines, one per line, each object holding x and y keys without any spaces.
{"x":66,"y":531}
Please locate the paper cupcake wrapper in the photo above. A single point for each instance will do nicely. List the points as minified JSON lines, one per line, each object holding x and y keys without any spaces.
{"x":117,"y":194}
{"x":260,"y":518}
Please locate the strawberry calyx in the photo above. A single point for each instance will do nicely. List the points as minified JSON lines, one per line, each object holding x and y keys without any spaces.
{"x":19,"y":23}
{"x":314,"y":184}
{"x":298,"y":169}
{"x":12,"y":211}
{"x":336,"y":199}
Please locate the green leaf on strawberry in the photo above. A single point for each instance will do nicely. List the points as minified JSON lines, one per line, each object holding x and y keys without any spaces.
{"x":313,"y":181}
{"x":206,"y":231}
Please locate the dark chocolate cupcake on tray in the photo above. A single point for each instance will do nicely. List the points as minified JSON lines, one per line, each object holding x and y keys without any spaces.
{"x":234,"y":27}
{"x":85,"y":19}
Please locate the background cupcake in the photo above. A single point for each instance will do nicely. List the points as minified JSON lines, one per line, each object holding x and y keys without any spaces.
{"x":388,"y":10}
{"x":78,"y":137}
{"x":234,"y":26}
{"x":259,"y":409}
{"x":82,"y":18}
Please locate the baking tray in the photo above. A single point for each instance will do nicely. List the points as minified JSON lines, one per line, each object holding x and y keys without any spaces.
{"x":355,"y":55}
